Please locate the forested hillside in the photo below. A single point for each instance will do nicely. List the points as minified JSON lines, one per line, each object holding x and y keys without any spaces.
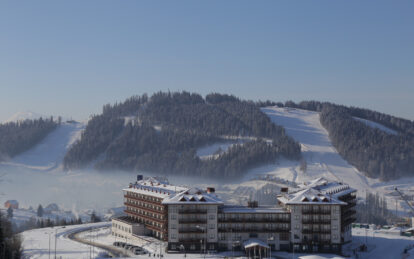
{"x":161,"y":134}
{"x":377,"y":153}
{"x":17,"y":137}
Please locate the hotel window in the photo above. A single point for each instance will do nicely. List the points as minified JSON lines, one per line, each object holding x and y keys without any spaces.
{"x":296,"y":226}
{"x":211,"y":216}
{"x":211,"y":226}
{"x":211,"y":236}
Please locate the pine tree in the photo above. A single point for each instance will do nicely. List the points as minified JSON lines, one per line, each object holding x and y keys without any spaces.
{"x":10,"y":213}
{"x":40,"y":211}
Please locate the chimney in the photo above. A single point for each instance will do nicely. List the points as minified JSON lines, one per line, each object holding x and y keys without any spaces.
{"x":211,"y":190}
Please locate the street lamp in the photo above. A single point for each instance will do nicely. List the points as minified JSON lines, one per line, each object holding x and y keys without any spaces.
{"x":293,"y":244}
{"x":271,"y":238}
{"x":56,"y":229}
{"x":49,"y":241}
{"x":205,"y":241}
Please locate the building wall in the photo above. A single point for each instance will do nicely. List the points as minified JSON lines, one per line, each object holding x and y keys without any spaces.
{"x":148,"y":210}
{"x":336,"y":224}
{"x":191,"y":225}
{"x":125,"y":230}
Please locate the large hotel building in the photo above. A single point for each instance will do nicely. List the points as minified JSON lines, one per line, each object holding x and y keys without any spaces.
{"x":316,"y":217}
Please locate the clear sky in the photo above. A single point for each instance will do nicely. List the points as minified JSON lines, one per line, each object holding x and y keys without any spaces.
{"x":71,"y":57}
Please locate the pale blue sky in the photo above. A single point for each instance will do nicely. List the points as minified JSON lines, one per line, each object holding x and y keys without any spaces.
{"x":72,"y":57}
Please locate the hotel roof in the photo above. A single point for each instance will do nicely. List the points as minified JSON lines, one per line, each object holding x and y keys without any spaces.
{"x":155,"y":187}
{"x":193,"y":196}
{"x":309,"y":196}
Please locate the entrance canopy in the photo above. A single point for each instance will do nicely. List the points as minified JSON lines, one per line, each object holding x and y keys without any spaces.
{"x":251,"y":243}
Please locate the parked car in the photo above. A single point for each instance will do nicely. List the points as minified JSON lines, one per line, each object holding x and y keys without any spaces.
{"x":138,"y":251}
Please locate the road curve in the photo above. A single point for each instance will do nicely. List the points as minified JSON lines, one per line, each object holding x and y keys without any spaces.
{"x":114,"y":252}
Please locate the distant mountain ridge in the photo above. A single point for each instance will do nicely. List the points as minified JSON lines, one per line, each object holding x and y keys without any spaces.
{"x":163,"y":133}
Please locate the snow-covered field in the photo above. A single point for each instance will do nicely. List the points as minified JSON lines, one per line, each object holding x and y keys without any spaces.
{"x":38,"y":243}
{"x":381,"y":245}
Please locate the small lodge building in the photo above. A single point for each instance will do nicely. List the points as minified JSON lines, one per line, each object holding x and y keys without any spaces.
{"x":11,"y":204}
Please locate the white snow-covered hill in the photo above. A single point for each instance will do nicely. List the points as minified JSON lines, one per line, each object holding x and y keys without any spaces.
{"x":322,"y":159}
{"x":49,"y":153}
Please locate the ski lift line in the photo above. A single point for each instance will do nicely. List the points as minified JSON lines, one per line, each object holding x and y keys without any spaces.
{"x":402,"y":196}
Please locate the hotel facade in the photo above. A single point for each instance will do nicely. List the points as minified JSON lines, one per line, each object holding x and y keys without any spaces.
{"x":316,"y":217}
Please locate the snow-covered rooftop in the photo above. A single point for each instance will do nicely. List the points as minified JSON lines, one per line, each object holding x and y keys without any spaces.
{"x":155,"y":187}
{"x":309,"y":196}
{"x":334,"y":189}
{"x":254,"y":242}
{"x":193,"y":196}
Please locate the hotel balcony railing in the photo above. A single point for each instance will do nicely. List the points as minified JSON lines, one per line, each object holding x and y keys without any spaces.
{"x":192,"y":221}
{"x":144,"y":208}
{"x":323,"y":212}
{"x":253,"y":220}
{"x":144,"y":216}
{"x":316,"y":221}
{"x":190,"y":240}
{"x":311,"y":231}
{"x":141,"y":199}
{"x":192,"y":211}
{"x":246,"y":230}
{"x":190,"y":230}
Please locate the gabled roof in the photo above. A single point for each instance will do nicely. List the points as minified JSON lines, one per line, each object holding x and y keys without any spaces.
{"x":309,"y":196}
{"x":193,"y":196}
{"x":155,"y":187}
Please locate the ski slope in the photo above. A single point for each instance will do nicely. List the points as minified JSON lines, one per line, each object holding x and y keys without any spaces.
{"x":49,"y":153}
{"x":321,"y":157}
{"x":323,"y":160}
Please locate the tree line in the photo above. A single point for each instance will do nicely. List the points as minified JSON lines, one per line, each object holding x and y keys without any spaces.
{"x":167,"y":128}
{"x":17,"y":137}
{"x":10,"y":243}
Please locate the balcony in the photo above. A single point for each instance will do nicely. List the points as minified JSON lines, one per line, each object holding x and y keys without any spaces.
{"x":193,"y":211}
{"x":252,"y":220}
{"x":250,"y":230}
{"x":192,"y":221}
{"x":190,"y":230}
{"x":316,"y":221}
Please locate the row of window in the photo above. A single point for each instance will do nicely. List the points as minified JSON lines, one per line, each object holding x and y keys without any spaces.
{"x":144,"y":197}
{"x":145,"y":204}
{"x":255,"y":216}
{"x":121,"y":227}
{"x":145,"y":213}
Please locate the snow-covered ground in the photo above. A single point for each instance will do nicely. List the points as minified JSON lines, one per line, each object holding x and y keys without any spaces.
{"x":22,"y":216}
{"x":38,"y":242}
{"x":381,"y":244}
